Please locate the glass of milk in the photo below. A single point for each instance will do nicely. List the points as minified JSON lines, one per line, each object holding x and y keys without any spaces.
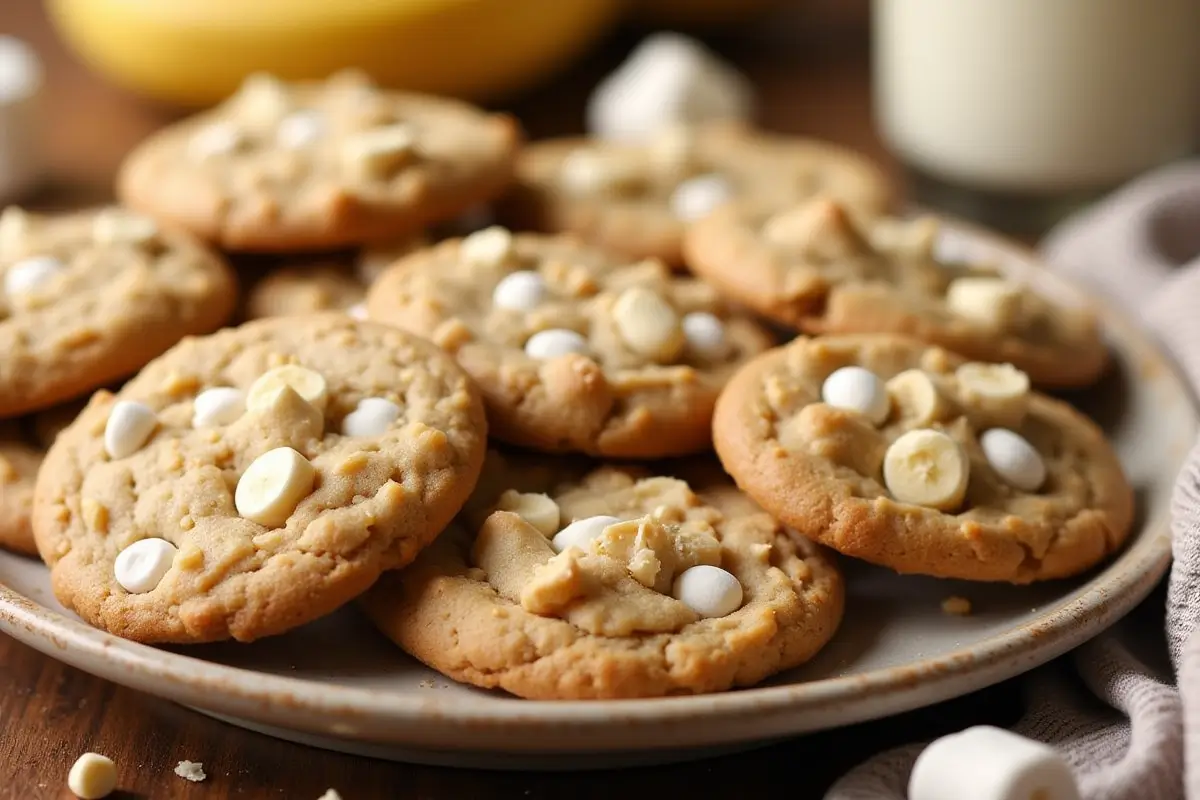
{"x":1015,"y":110}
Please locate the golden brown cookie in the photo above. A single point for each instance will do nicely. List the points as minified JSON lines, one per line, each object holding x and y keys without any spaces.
{"x":811,"y":266}
{"x":557,"y":583}
{"x":91,"y":296}
{"x":574,"y":349}
{"x":23,"y":444}
{"x":904,"y":455}
{"x":638,"y":199}
{"x":315,"y":166}
{"x":252,"y":480}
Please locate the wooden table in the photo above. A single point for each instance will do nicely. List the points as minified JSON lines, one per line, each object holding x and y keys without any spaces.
{"x":813,"y":80}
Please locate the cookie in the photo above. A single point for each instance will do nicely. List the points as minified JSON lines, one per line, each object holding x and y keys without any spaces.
{"x":91,"y":296}
{"x":907,"y":456}
{"x":306,"y":289}
{"x":574,"y":349}
{"x":558,"y":583}
{"x":814,"y":268}
{"x":316,"y":166}
{"x":638,"y":198}
{"x":252,"y":480}
{"x":23,"y":444}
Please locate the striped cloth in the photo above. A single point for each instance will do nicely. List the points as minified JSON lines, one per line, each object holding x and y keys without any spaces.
{"x":1127,"y":726}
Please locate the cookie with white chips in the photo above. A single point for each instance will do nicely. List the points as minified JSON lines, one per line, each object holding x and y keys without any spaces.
{"x":902,"y":454}
{"x":574,"y":348}
{"x":252,"y":480}
{"x":560,"y":583}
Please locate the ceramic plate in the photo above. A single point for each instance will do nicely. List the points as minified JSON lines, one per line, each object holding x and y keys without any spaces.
{"x":338,"y":684}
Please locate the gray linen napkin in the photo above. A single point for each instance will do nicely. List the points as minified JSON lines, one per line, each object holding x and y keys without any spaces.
{"x":1128,"y":730}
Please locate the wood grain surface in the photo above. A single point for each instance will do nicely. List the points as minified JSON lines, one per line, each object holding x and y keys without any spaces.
{"x":812,"y":70}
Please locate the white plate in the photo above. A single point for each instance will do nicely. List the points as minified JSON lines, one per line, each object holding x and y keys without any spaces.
{"x":338,"y":684}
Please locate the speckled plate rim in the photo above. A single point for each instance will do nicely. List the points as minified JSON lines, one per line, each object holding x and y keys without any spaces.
{"x":749,"y":714}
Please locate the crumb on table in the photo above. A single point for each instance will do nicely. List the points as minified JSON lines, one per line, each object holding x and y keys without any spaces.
{"x":956,"y":606}
{"x":330,"y":794}
{"x":190,"y":770}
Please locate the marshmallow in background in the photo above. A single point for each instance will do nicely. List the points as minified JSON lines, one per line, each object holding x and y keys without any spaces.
{"x":668,"y":80}
{"x":20,"y":88}
{"x":986,"y":763}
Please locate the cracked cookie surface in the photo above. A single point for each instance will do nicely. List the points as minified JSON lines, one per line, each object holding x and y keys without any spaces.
{"x":281,"y":167}
{"x":574,"y":349}
{"x":279,"y":496}
{"x":492,"y":604}
{"x":812,"y":267}
{"x":91,"y":296}
{"x":926,"y":485}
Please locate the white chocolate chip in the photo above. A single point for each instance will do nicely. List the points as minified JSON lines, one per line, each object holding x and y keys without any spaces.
{"x":273,"y":485}
{"x":926,"y":468}
{"x":580,"y":532}
{"x":14,"y":227}
{"x":262,"y":99}
{"x":372,"y":417}
{"x":986,"y":763}
{"x":705,"y":335}
{"x":648,"y":324}
{"x":300,"y":129}
{"x":28,"y":274}
{"x":993,"y":302}
{"x":306,"y":383}
{"x":379,"y":152}
{"x":358,"y":311}
{"x":1014,"y":459}
{"x":539,"y":510}
{"x":520,"y":291}
{"x":115,"y":226}
{"x":709,"y":591}
{"x":92,"y":777}
{"x":554,"y":343}
{"x":857,"y":389}
{"x":489,"y":247}
{"x":140,"y":567}
{"x":129,"y":426}
{"x":214,"y":140}
{"x":221,"y":405}
{"x":586,"y":172}
{"x":696,"y":197}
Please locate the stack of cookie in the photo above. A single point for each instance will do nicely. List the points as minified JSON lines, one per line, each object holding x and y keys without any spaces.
{"x":502,"y":442}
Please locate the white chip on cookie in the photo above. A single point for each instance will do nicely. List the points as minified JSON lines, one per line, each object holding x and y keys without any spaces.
{"x":129,"y":426}
{"x":29,"y":274}
{"x":220,"y":405}
{"x":116,"y":226}
{"x":488,"y":247}
{"x":273,"y":485}
{"x":993,"y":302}
{"x":1014,"y":459}
{"x":379,"y":152}
{"x":520,"y":291}
{"x":926,"y":468}
{"x":358,"y":311}
{"x":697,"y":197}
{"x":648,"y":324}
{"x":580,"y":532}
{"x":14,"y":227}
{"x":707,"y":590}
{"x":705,"y":335}
{"x":261,"y":99}
{"x":308,"y":384}
{"x":92,"y":777}
{"x":857,"y":389}
{"x":300,"y":129}
{"x":214,"y":140}
{"x":372,"y":417}
{"x":587,"y":172}
{"x":140,"y":567}
{"x":539,"y":510}
{"x":555,"y":342}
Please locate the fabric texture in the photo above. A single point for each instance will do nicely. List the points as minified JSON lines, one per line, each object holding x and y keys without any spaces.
{"x":1128,"y":726}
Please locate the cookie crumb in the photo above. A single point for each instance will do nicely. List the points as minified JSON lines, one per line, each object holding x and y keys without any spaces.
{"x":427,"y":684}
{"x":956,"y":606}
{"x":330,"y":794}
{"x":190,"y":770}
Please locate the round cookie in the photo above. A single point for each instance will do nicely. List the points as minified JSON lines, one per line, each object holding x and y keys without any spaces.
{"x":89,"y":297}
{"x":958,"y":472}
{"x":315,"y":166}
{"x":574,"y":349}
{"x":252,"y":480}
{"x":638,"y":198}
{"x":305,"y":289}
{"x":811,"y":266}
{"x":491,"y":603}
{"x":23,"y":444}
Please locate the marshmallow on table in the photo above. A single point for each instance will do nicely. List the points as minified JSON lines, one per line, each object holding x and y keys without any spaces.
{"x":668,"y":80}
{"x":20,"y":88}
{"x":986,"y":763}
{"x":92,"y":777}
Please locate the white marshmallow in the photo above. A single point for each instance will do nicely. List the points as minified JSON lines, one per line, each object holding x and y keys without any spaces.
{"x":520,"y":291}
{"x":373,"y":416}
{"x":140,"y":567}
{"x":217,"y":139}
{"x":21,"y":164}
{"x":220,"y":405}
{"x":986,"y":763}
{"x":300,"y":128}
{"x":30,"y":273}
{"x":705,"y":335}
{"x":358,"y":311}
{"x":555,"y":342}
{"x":92,"y":777}
{"x":129,"y":426}
{"x":696,"y":197}
{"x":668,"y":79}
{"x":709,"y":591}
{"x":1014,"y":459}
{"x":580,"y":532}
{"x":273,"y":485}
{"x":857,"y":389}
